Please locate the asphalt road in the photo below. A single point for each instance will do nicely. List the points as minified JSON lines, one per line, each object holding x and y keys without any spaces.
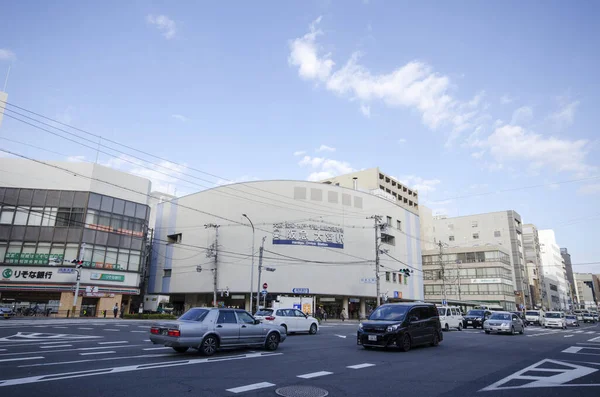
{"x":82,"y":358}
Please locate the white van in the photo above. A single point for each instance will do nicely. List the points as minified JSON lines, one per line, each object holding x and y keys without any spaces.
{"x":450,"y":317}
{"x":534,"y":317}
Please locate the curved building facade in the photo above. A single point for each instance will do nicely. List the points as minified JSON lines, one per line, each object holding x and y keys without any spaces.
{"x":319,"y":245}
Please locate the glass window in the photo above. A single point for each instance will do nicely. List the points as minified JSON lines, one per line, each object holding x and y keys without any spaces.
{"x":480,"y":256}
{"x":2,"y":251}
{"x":39,"y":198}
{"x":394,"y":277}
{"x":21,"y":215}
{"x":129,"y":208}
{"x":62,"y":217}
{"x":123,"y":258}
{"x":167,"y":272}
{"x":451,"y":238}
{"x":81,"y":200}
{"x":113,"y":239}
{"x":116,"y":222}
{"x":111,"y":257}
{"x":134,"y":261}
{"x":13,"y":252}
{"x":136,"y":244}
{"x":194,"y":315}
{"x":27,"y":254}
{"x":475,"y":236}
{"x":226,"y":317}
{"x":35,"y":216}
{"x":6,"y":217}
{"x":76,"y":219}
{"x":57,"y":254}
{"x":52,"y":198}
{"x":71,"y":252}
{"x":497,"y":233}
{"x":99,"y":253}
{"x":25,"y":197}
{"x":140,"y":211}
{"x":244,"y":318}
{"x":89,"y":236}
{"x":118,"y":207}
{"x":66,"y":199}
{"x":87,"y":254}
{"x":387,"y":276}
{"x":91,"y":218}
{"x":43,"y":249}
{"x":101,"y":238}
{"x":95,"y":200}
{"x":50,"y":214}
{"x":399,"y":225}
{"x":107,"y":204}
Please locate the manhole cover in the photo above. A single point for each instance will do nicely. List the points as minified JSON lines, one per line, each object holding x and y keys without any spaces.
{"x":301,"y":391}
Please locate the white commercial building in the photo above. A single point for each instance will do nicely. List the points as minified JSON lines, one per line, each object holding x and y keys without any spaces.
{"x":319,"y":244}
{"x":586,"y":293}
{"x":52,"y":213}
{"x":533,"y":262}
{"x":555,"y":273}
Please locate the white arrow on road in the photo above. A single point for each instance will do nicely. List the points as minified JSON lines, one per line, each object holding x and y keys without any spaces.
{"x":340,"y":336}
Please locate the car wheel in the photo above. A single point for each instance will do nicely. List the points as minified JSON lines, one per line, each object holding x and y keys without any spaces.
{"x":446,"y":327}
{"x":313,"y":329}
{"x":512,"y":330}
{"x":522,"y":331}
{"x":436,"y":340}
{"x":272,"y":341}
{"x":487,"y":332}
{"x":460,"y":326}
{"x":181,"y":349}
{"x":405,"y":343}
{"x":209,"y":345}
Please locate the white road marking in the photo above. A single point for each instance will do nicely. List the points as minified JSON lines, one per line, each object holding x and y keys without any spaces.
{"x":146,"y":340}
{"x":567,"y":373}
{"x":340,"y":336}
{"x":314,"y":374}
{"x":102,"y":352}
{"x":359,"y":366}
{"x":254,"y":386}
{"x":2,"y":350}
{"x":156,"y":348}
{"x":21,"y":359}
{"x":590,"y":332}
{"x":112,"y":343}
{"x":594,"y":339}
{"x":69,"y":350}
{"x":97,"y":359}
{"x":143,"y":326}
{"x":127,"y":368}
{"x":111,"y":329}
{"x":579,"y":332}
{"x":145,"y":332}
{"x":569,"y":336}
{"x":121,"y":325}
{"x":54,"y":346}
{"x":84,"y":328}
{"x":60,"y":327}
{"x":572,"y":349}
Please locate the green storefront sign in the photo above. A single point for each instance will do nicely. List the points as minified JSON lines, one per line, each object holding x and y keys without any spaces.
{"x":107,"y":277}
{"x":33,"y":259}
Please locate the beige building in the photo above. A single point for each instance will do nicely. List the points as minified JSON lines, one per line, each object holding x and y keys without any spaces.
{"x":374,"y":181}
{"x":587,"y":296}
{"x":533,"y":262}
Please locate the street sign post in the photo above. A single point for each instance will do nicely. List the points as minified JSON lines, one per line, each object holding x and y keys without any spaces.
{"x":264,"y":292}
{"x":265,"y":285}
{"x":300,"y":290}
{"x":444,"y":302}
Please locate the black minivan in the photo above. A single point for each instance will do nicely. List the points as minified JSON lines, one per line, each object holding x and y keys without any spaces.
{"x":402,"y":325}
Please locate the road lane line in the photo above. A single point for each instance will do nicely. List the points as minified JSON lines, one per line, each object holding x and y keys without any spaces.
{"x":111,"y":329}
{"x":146,"y":340}
{"x":69,"y":350}
{"x":569,"y":336}
{"x":126,"y":368}
{"x":156,"y":348}
{"x":590,"y":332}
{"x":579,"y":332}
{"x":85,"y":328}
{"x":96,"y":359}
{"x":102,"y":352}
{"x":572,"y":349}
{"x":112,"y":343}
{"x":254,"y":386}
{"x":21,"y":359}
{"x":594,"y":339}
{"x":144,"y":332}
{"x":54,"y":346}
{"x":117,"y":325}
{"x":359,"y":366}
{"x":314,"y":374}
{"x":61,"y":327}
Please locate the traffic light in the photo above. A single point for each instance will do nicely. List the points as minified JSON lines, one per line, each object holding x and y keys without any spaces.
{"x":406,"y":272}
{"x":227,"y":292}
{"x":77,"y":262}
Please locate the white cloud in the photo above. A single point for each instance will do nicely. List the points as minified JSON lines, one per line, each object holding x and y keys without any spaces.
{"x":304,"y":53}
{"x":554,"y":186}
{"x":325,"y":148}
{"x":505,"y":99}
{"x":325,"y":168}
{"x":522,"y":115}
{"x":478,"y":155}
{"x":180,"y":117}
{"x":7,"y":55}
{"x":365,"y":110}
{"x":164,"y":24}
{"x":300,"y":153}
{"x":413,"y":86}
{"x":511,"y":142}
{"x":565,"y":115}
{"x":76,"y":159}
{"x":593,"y":188}
{"x":423,"y":186}
{"x":401,"y":141}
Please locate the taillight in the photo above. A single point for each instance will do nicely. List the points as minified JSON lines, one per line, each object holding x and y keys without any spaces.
{"x":174,"y":332}
{"x":154,"y":330}
{"x":270,"y":318}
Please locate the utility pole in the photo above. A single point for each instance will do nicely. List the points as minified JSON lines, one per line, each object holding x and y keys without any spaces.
{"x":376,"y":219}
{"x":216,"y":250}
{"x":78,"y":267}
{"x":260,"y":260}
{"x":443,"y":267}
{"x":252,"y":267}
{"x":458,"y":277}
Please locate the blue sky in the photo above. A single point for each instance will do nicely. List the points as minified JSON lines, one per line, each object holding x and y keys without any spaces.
{"x":456,"y":99}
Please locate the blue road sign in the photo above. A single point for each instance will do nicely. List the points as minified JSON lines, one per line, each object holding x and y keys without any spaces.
{"x":264,"y":292}
{"x":300,"y":290}
{"x":396,"y":294}
{"x":444,"y":302}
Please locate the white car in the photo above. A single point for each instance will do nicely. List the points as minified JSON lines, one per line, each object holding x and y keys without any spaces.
{"x":450,"y":317}
{"x":555,"y":319}
{"x":293,"y":320}
{"x":588,"y":317}
{"x":534,"y":317}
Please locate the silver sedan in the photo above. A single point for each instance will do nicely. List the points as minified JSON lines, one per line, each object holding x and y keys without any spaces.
{"x":209,"y":329}
{"x":504,"y":322}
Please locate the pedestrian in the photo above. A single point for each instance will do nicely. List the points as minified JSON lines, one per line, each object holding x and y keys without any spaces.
{"x":116,"y":309}
{"x":104,"y":313}
{"x":343,"y":314}
{"x":122,"y":309}
{"x":324,"y":315}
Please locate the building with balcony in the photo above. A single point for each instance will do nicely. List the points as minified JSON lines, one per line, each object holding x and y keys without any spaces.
{"x":587,"y":294}
{"x":533,"y":260}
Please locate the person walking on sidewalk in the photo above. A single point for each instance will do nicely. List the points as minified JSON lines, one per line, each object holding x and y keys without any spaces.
{"x":343,"y":314}
{"x":116,"y":309}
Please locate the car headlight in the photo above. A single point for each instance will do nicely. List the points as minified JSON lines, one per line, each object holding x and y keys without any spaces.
{"x":360,"y":326}
{"x":393,"y":328}
{"x":506,"y":325}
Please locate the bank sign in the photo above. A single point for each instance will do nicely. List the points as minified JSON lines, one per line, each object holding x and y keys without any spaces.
{"x":311,"y":234}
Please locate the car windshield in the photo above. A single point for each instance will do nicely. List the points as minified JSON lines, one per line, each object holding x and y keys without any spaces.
{"x":532,"y":313}
{"x":500,"y":316}
{"x":475,"y":313}
{"x":389,"y":313}
{"x":264,"y":312}
{"x":194,"y":315}
{"x":553,"y":315}
{"x":442,"y":311}
{"x":571,"y":317}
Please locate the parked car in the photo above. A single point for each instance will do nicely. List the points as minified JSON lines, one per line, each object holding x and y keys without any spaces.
{"x":450,"y":317}
{"x":402,"y":325}
{"x":476,"y":318}
{"x":522,"y":317}
{"x":293,"y":320}
{"x":588,"y":317}
{"x":6,"y":312}
{"x":209,"y":329}
{"x":572,"y":320}
{"x":534,"y":317}
{"x":579,"y":315}
{"x":595,"y":315}
{"x":555,"y":319}
{"x":504,"y":322}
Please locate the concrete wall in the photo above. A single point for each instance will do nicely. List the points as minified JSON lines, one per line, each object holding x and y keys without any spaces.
{"x":334,"y":276}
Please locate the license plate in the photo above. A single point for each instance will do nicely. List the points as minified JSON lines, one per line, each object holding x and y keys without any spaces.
{"x":469,"y":322}
{"x":373,"y":338}
{"x":164,"y":332}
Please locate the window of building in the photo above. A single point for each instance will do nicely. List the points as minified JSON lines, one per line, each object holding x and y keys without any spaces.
{"x":389,"y":221}
{"x":21,"y":215}
{"x":381,"y":187}
{"x":134,"y":261}
{"x":387,"y":180}
{"x":394,"y":277}
{"x":388,"y":239}
{"x":497,"y":233}
{"x":475,"y":236}
{"x":6,"y":217}
{"x":167,"y":273}
{"x":387,"y":276}
{"x":450,"y":226}
{"x":399,"y":225}
{"x":474,"y":224}
{"x":450,"y":238}
{"x":174,"y":238}
{"x":35,"y":216}
{"x":381,"y":176}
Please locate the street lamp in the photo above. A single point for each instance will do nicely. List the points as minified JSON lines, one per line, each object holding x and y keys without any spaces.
{"x":252,"y":267}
